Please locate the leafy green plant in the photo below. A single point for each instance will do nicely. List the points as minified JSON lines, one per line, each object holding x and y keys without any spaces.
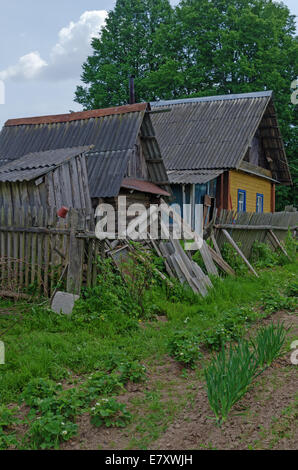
{"x":110,"y":297}
{"x":66,"y":404}
{"x":262,"y":255}
{"x":233,"y":259}
{"x":184,"y":347}
{"x":39,"y":389}
{"x":291,"y":245}
{"x":132,"y":371}
{"x":48,"y":430}
{"x":7,"y":420}
{"x":139,"y":274}
{"x":110,"y":413}
{"x":228,"y":377}
{"x":231,"y":328}
{"x":292,"y":289}
{"x":101,"y":383}
{"x":268,"y":343}
{"x":274,"y":301}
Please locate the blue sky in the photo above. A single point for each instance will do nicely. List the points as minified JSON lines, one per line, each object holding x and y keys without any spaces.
{"x":43,"y":46}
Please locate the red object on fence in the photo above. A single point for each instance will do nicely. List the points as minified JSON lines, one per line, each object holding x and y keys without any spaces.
{"x":63,"y":212}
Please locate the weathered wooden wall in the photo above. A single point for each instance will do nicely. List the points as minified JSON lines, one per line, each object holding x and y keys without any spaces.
{"x":37,"y":249}
{"x":67,"y":185}
{"x":248,"y":227}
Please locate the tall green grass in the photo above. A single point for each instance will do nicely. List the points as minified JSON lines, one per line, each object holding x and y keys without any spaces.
{"x":228,"y":378}
{"x":233,"y":369}
{"x":268,"y":343}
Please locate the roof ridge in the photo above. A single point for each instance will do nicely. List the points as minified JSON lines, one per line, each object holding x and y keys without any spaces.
{"x":78,"y":116}
{"x":202,"y":99}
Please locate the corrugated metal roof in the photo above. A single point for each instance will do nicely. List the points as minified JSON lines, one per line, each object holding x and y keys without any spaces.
{"x":106,"y":171}
{"x":143,"y":186}
{"x":33,"y":165}
{"x":257,"y":94}
{"x":112,"y":133}
{"x":208,"y":134}
{"x":108,"y":133}
{"x":94,"y":113}
{"x":215,"y":132}
{"x":192,"y":176}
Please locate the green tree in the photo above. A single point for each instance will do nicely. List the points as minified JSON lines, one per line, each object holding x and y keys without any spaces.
{"x":199,"y":48}
{"x":126,"y":47}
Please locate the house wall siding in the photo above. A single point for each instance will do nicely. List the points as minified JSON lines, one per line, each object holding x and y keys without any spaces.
{"x":252,"y":185}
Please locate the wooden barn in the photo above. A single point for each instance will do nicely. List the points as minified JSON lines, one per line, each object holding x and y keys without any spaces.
{"x":122,"y":158}
{"x":53,"y":178}
{"x":226,"y":150}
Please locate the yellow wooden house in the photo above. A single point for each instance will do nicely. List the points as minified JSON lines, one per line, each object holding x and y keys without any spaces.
{"x":228,"y":148}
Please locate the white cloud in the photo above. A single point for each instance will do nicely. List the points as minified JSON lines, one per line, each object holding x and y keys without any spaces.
{"x":27,"y":67}
{"x":66,"y":56}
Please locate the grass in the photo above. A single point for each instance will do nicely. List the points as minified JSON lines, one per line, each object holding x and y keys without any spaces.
{"x":41,"y":344}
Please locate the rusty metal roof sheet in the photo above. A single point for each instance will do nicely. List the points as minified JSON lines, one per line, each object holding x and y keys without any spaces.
{"x":34,"y":165}
{"x":95,"y":113}
{"x":214,"y":132}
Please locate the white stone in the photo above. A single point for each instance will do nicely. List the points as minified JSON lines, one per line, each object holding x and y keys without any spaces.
{"x":63,"y":302}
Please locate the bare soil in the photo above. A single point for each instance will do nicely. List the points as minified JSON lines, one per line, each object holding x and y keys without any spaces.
{"x":266,"y":418}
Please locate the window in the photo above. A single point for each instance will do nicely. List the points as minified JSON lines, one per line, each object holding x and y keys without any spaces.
{"x":241,"y":200}
{"x":260,"y":203}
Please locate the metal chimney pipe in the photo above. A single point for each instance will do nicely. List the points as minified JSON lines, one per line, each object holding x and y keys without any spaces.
{"x":132,"y":97}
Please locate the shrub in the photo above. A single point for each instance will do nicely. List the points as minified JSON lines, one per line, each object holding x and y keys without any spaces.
{"x":110,"y":413}
{"x":184,"y":347}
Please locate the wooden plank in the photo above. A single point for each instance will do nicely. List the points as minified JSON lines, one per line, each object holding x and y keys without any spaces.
{"x":76,"y":255}
{"x":208,"y":261}
{"x":216,"y":247}
{"x":236,"y":247}
{"x":278,"y":243}
{"x":221,"y":262}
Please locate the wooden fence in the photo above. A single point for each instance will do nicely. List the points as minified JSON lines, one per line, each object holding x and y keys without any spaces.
{"x":248,"y":227}
{"x":40,"y":251}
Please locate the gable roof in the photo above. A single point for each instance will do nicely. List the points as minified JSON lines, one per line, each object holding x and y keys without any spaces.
{"x":215,"y":132}
{"x":112,"y":132}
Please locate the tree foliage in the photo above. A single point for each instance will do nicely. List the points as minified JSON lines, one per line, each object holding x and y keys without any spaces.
{"x":199,"y":48}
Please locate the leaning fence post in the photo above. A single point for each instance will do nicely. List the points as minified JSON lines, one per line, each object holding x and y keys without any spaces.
{"x":236,"y":247}
{"x":76,"y":255}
